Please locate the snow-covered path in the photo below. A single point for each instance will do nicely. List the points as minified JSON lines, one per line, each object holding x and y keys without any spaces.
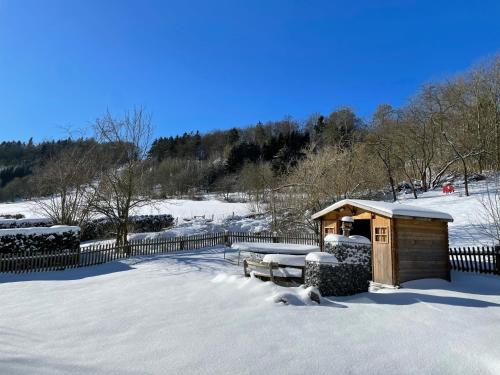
{"x":193,"y":313}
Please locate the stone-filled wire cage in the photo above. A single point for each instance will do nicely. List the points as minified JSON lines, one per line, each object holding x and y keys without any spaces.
{"x":344,"y":268}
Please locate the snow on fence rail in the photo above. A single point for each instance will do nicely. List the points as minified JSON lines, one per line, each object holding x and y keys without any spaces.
{"x":485,"y":259}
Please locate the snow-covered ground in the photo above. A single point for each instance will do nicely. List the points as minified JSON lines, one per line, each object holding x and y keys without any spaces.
{"x":178,"y":208}
{"x":211,"y":207}
{"x":201,"y":226}
{"x":194,"y":313}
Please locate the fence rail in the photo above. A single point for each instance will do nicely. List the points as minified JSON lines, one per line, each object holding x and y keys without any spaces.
{"x":485,"y":259}
{"x":34,"y":261}
{"x":467,"y":259}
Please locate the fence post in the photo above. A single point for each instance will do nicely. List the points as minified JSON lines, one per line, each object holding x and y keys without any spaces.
{"x":497,"y":258}
{"x":226,"y":238}
{"x":275,"y":237}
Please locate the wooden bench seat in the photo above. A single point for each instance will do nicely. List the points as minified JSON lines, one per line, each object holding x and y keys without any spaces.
{"x":274,"y":271}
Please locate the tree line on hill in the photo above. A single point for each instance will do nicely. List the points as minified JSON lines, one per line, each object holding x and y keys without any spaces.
{"x":289,"y":168}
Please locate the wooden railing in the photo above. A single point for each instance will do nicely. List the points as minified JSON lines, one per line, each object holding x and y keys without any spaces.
{"x":485,"y":259}
{"x":33,"y":261}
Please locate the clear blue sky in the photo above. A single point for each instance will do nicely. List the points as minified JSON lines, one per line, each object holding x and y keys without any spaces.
{"x":200,"y":65}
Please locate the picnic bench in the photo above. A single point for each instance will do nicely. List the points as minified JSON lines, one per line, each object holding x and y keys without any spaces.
{"x":281,"y":262}
{"x":276,"y":267}
{"x":273,"y":248}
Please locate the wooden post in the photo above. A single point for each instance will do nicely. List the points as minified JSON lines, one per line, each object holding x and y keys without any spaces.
{"x":320,"y":240}
{"x":497,"y":259}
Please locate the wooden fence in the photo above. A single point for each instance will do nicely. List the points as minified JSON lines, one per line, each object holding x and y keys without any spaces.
{"x":468,"y":259}
{"x":484,"y":259}
{"x":33,"y":261}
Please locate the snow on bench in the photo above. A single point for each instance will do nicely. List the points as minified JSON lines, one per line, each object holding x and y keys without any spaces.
{"x":272,"y":266}
{"x":285,"y":259}
{"x":274,"y":248}
{"x":272,"y":273}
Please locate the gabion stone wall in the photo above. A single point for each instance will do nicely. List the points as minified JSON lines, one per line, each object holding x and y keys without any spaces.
{"x":340,"y":279}
{"x":350,"y":252}
{"x":24,"y":223}
{"x":40,"y":239}
{"x":348,"y":271}
{"x":103,"y":228}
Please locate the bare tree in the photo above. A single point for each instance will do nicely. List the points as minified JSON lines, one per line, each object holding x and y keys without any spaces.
{"x":63,"y":186}
{"x":381,"y":141}
{"x":321,"y":178}
{"x":120,"y":185}
{"x":490,"y":217}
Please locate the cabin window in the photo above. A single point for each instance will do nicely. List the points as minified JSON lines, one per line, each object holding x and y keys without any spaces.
{"x":381,"y":234}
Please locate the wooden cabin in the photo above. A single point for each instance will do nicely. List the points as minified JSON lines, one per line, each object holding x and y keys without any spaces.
{"x":408,"y":242}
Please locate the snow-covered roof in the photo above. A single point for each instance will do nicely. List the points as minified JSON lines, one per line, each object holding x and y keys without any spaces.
{"x":392,"y":210}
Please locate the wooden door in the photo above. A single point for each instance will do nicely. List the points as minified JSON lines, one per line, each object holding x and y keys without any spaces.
{"x":382,"y":262}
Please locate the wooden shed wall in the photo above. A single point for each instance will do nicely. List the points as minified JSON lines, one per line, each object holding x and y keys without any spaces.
{"x":422,"y":249}
{"x":383,"y":254}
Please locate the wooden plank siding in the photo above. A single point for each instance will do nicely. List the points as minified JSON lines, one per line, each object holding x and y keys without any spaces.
{"x":422,"y":247}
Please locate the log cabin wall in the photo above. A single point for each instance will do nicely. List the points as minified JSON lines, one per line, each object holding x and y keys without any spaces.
{"x":422,"y":249}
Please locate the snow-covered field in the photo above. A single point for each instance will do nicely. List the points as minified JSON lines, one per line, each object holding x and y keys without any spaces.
{"x":185,"y":208}
{"x":178,"y":208}
{"x":219,"y":215}
{"x":194,"y":313}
